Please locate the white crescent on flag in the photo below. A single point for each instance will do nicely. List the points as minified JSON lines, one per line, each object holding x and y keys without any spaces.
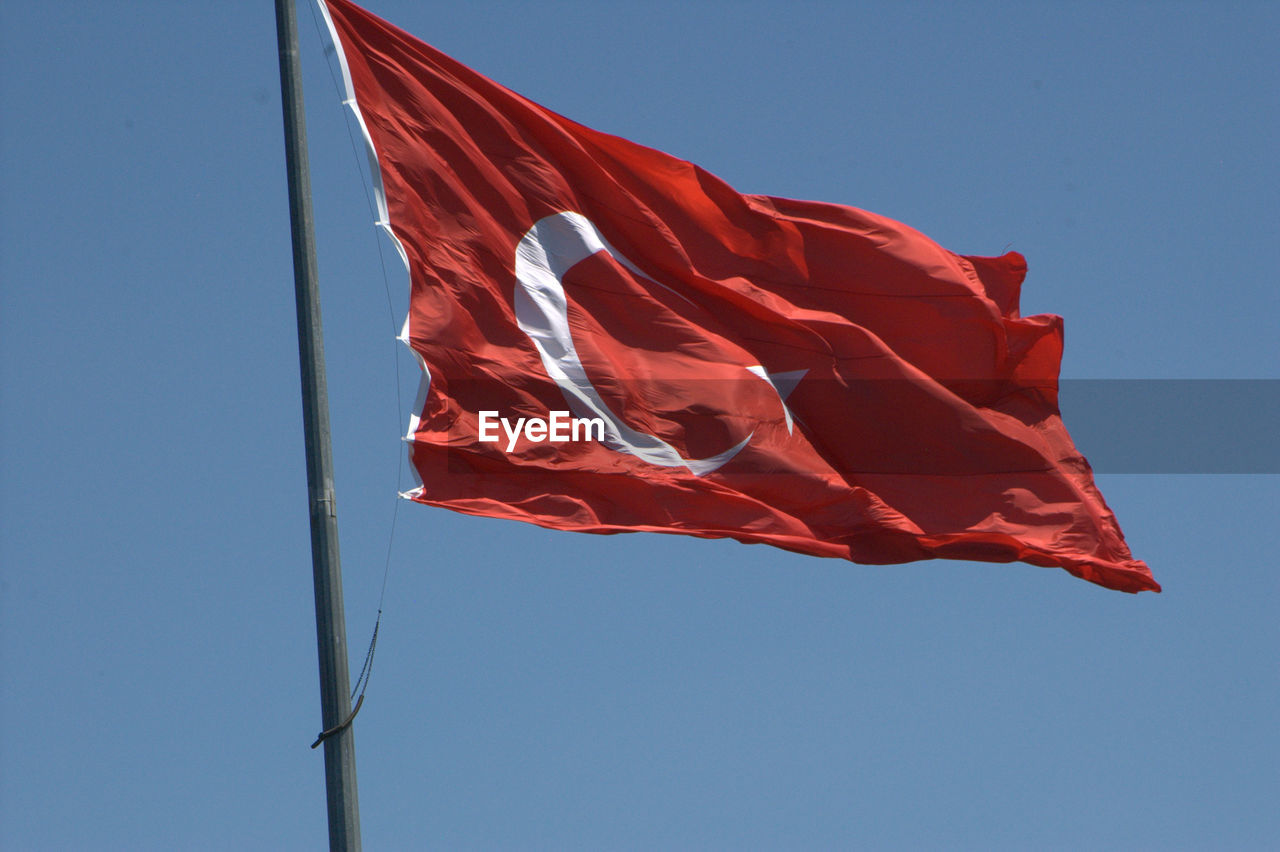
{"x":553,"y":246}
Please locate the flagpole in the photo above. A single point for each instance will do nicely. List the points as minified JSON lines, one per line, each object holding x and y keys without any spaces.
{"x":331,"y":631}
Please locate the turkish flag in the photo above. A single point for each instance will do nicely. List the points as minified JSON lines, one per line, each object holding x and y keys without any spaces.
{"x":806,"y":375}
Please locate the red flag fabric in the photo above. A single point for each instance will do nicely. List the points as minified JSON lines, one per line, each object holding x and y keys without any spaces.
{"x":615,"y":340}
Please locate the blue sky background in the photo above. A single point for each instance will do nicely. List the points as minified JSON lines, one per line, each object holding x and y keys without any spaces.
{"x":535,"y":689}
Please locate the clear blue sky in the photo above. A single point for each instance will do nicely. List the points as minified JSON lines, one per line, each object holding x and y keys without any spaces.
{"x":534,"y":689}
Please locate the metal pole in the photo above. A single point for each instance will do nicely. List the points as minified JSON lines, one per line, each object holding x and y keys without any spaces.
{"x":331,"y":631}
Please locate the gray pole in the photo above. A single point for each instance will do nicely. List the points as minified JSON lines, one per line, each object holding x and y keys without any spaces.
{"x":331,"y":631}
